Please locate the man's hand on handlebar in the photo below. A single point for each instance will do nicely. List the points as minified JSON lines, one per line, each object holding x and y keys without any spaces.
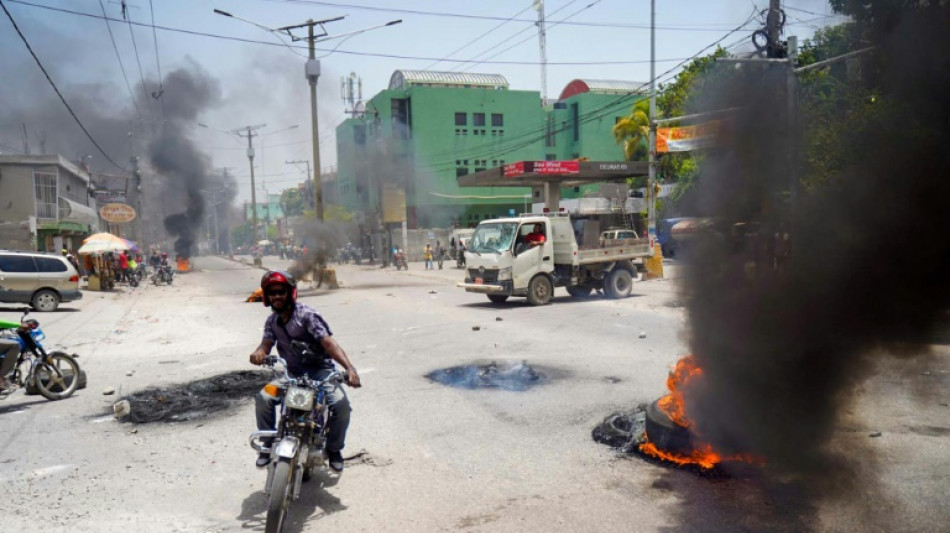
{"x":258,"y":357}
{"x":353,"y":379}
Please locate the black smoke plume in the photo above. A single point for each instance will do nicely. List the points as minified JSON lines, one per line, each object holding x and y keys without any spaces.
{"x":783,"y":342}
{"x":175,"y":157}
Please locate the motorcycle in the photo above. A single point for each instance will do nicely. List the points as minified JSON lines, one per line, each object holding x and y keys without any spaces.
{"x":399,"y":259}
{"x":163,"y":274}
{"x":55,"y":375}
{"x":298,"y":445}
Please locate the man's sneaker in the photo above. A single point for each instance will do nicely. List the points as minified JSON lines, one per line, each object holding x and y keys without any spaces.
{"x":263,"y":460}
{"x":336,"y":461}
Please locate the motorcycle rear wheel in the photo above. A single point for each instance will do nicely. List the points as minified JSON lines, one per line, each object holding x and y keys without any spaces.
{"x":280,"y":493}
{"x":58,"y":378}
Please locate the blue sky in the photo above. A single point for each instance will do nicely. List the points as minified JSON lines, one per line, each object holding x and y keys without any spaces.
{"x":265,"y":84}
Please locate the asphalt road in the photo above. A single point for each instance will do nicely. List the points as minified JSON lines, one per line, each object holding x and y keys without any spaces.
{"x":429,"y":457}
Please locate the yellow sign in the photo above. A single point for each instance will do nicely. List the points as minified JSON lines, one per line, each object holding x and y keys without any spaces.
{"x":117,"y":213}
{"x":394,"y":203}
{"x":686,"y":138}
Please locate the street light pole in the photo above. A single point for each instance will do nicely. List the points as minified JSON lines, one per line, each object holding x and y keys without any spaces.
{"x":651,"y":184}
{"x":312,"y":70}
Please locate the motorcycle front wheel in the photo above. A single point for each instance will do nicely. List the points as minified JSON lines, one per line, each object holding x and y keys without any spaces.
{"x":280,"y":493}
{"x":58,"y":377}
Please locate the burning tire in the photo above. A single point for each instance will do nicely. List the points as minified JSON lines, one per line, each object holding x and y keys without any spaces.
{"x":666,"y":434}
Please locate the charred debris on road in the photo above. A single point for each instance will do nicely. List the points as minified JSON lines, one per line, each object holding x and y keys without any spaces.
{"x":192,"y":400}
{"x":518,"y":377}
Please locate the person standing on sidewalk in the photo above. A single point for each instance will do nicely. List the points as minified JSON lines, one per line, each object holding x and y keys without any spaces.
{"x":439,"y":253}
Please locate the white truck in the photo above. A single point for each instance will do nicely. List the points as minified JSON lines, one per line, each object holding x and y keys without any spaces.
{"x":503,"y":261}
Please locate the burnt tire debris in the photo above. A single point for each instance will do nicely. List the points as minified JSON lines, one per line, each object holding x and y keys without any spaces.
{"x":625,"y":431}
{"x":510,"y":377}
{"x":193,"y":400}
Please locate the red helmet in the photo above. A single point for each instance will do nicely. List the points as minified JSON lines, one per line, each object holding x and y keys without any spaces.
{"x":278,"y":277}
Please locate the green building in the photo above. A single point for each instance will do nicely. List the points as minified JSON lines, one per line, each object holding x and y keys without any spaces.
{"x":416,"y":137}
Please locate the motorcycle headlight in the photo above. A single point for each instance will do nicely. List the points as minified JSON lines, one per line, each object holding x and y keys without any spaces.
{"x":504,"y":274}
{"x":299,"y":398}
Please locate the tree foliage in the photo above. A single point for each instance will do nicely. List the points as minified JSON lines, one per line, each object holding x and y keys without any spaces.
{"x":292,"y":202}
{"x":633,"y":131}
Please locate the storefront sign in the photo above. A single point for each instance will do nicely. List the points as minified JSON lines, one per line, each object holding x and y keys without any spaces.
{"x":557,"y":167}
{"x":117,"y":213}
{"x":686,"y":138}
{"x":513,"y":169}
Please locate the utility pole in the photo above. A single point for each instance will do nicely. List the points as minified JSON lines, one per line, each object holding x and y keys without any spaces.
{"x":312,"y":72}
{"x":248,"y":131}
{"x":309,"y":183}
{"x":651,"y":181}
{"x":542,"y":42}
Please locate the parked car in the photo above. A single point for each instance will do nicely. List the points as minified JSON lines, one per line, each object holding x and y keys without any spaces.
{"x":41,"y":280}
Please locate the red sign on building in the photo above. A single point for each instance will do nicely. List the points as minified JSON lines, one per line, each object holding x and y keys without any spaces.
{"x":557,"y":167}
{"x":513,"y":169}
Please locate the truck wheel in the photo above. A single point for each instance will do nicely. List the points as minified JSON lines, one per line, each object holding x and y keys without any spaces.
{"x":619,"y":284}
{"x":498,"y":298}
{"x":579,"y":291}
{"x":539,"y":290}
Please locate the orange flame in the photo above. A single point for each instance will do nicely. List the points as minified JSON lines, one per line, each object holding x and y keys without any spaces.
{"x":183,"y":264}
{"x":673,"y":405}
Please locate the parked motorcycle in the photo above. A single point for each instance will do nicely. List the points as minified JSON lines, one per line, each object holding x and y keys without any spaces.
{"x":399,"y":258}
{"x":55,"y":375}
{"x":298,"y":445}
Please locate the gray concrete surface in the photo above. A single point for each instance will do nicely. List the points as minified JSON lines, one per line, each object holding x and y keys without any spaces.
{"x":436,"y":458}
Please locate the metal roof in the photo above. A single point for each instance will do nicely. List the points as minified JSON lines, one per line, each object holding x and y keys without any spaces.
{"x":578,"y":86}
{"x":430,"y":78}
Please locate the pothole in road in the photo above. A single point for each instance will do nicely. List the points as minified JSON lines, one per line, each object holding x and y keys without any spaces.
{"x":195,"y":399}
{"x":517,"y":377}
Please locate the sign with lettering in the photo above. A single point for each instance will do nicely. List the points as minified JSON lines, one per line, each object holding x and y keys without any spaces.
{"x":513,"y":169}
{"x":686,"y":138}
{"x":117,"y":213}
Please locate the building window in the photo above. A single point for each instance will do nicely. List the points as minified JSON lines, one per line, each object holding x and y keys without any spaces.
{"x":576,"y":121}
{"x":460,"y":171}
{"x":497,"y":120}
{"x":549,"y":133}
{"x":461,"y":119}
{"x":46,"y":202}
{"x":478,"y":119}
{"x":550,"y":157}
{"x":359,"y":134}
{"x":479,"y":169}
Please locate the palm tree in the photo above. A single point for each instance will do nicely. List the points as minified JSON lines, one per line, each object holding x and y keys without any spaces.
{"x":634,"y":130}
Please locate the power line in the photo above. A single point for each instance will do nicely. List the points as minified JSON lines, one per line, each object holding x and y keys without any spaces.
{"x":345,"y":52}
{"x":466,"y":45}
{"x":554,"y":24}
{"x":121,"y":66}
{"x":55,"y":88}
{"x":158,"y":63}
{"x":472,"y":61}
{"x":706,"y":27}
{"x":135,"y":48}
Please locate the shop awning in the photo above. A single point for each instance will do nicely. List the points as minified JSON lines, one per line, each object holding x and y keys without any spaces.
{"x":70,"y":211}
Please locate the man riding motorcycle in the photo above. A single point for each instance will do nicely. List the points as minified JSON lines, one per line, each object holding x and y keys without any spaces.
{"x":292,"y":321}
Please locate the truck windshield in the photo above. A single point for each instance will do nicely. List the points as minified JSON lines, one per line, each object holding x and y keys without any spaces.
{"x":494,"y":237}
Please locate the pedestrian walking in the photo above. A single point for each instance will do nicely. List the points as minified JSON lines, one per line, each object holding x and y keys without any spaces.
{"x":439,"y":253}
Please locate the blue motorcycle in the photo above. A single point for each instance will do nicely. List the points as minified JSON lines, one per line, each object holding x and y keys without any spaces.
{"x":55,"y":375}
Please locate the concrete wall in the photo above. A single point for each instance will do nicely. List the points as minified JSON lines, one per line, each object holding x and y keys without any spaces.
{"x":16,"y":193}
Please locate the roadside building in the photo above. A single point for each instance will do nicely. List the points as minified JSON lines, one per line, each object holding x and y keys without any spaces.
{"x":46,"y":203}
{"x":401,"y":153}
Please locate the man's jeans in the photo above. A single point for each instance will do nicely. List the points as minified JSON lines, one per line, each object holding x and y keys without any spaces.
{"x":339,"y":411}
